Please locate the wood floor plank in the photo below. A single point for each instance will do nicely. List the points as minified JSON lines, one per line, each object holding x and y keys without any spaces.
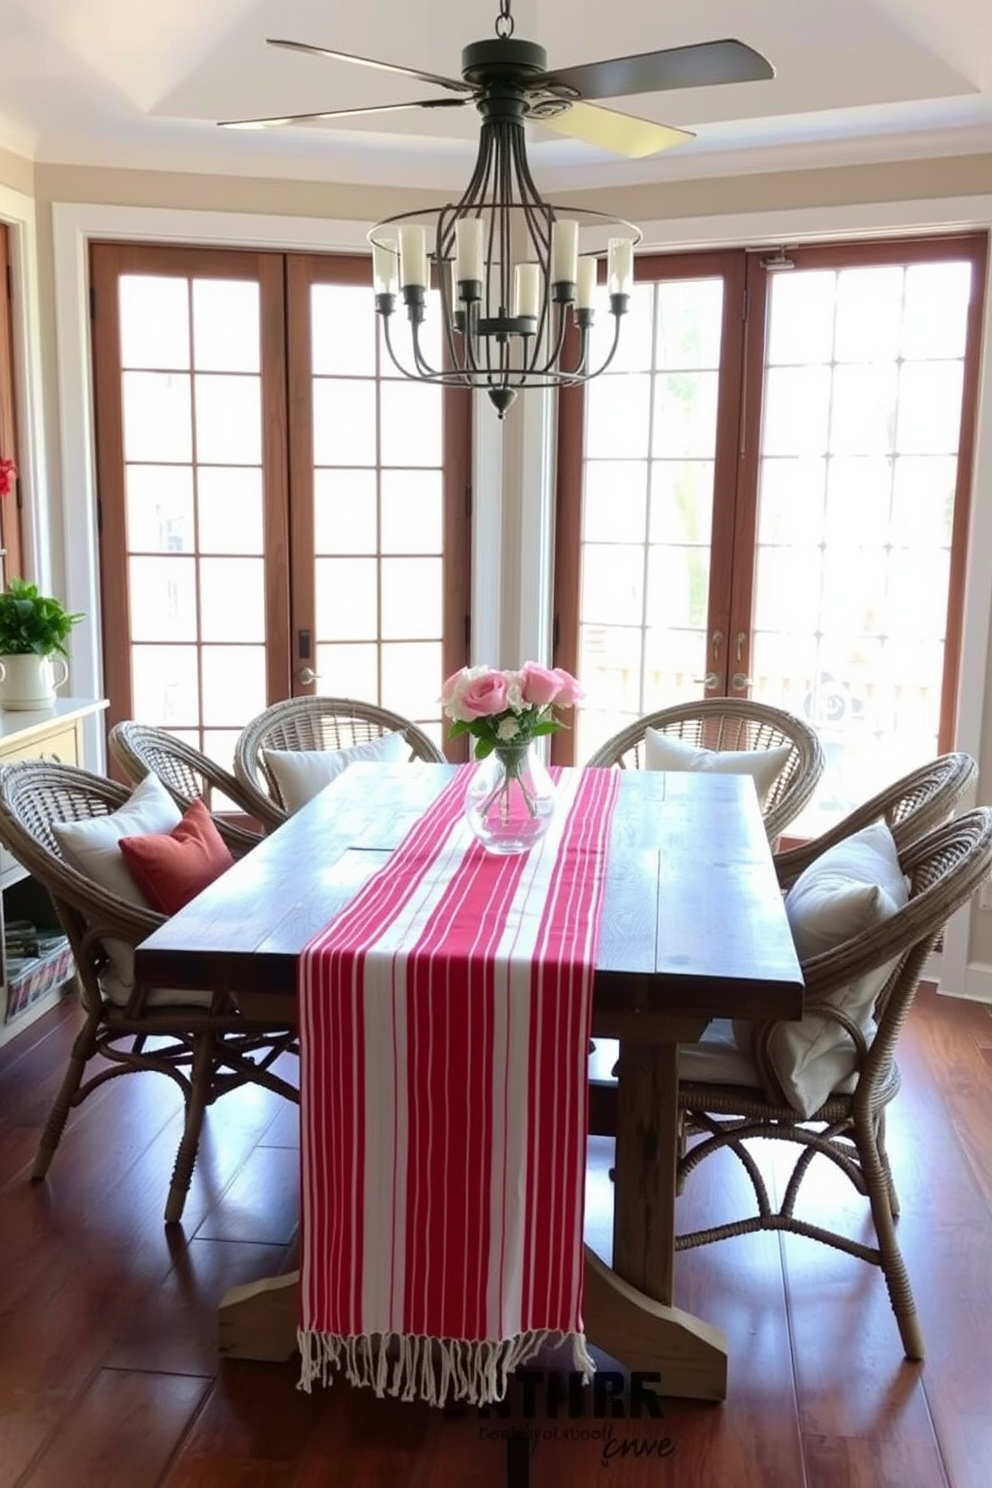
{"x":253,"y":1431}
{"x":853,"y":1462}
{"x":262,"y":1203}
{"x":175,"y":1329}
{"x":121,"y":1434}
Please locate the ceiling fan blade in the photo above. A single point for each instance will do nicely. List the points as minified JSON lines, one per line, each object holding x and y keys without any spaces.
{"x":379,"y":108}
{"x":706,"y":64}
{"x":621,"y":133}
{"x":455,"y":84}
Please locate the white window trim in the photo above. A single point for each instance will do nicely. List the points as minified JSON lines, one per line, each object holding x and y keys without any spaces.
{"x":512,"y":607}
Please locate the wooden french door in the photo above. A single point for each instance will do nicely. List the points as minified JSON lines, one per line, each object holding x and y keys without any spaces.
{"x":11,"y":562}
{"x":277,"y":514}
{"x":770,"y":497}
{"x":647,"y":477}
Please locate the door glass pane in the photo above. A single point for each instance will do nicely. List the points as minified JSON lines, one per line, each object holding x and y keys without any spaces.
{"x":650,"y":444}
{"x":225,"y":325}
{"x":854,"y":534}
{"x":154,"y":322}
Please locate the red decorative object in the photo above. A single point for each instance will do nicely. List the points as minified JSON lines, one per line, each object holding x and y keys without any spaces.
{"x":8,"y":477}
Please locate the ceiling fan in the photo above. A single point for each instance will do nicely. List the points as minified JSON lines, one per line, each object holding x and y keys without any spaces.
{"x":507,"y":73}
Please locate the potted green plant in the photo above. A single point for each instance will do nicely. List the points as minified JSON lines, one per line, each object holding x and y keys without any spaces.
{"x":33,"y":631}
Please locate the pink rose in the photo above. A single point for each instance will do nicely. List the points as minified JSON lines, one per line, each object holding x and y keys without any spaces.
{"x":484,"y":696}
{"x":538,"y":685}
{"x":569,"y":691}
{"x":453,"y":685}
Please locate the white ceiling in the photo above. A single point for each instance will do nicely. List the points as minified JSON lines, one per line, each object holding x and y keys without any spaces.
{"x":142,"y":83}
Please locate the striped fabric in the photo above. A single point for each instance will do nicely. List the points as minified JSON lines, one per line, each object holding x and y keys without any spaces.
{"x":444,"y":1028}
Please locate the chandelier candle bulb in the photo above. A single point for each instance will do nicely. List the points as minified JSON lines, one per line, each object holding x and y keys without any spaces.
{"x":526,"y":291}
{"x":413,"y":256}
{"x":468,"y":250}
{"x":564,"y":252}
{"x":620,"y":266}
{"x":384,"y":268}
{"x":585,"y":284}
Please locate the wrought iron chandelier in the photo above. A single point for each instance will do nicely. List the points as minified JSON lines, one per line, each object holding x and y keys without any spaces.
{"x":516,"y":276}
{"x":508,"y":266}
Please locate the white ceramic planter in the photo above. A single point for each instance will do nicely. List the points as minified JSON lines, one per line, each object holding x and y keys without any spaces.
{"x":28,"y":683}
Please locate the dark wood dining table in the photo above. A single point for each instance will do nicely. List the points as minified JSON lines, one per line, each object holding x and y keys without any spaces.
{"x":693,"y":928}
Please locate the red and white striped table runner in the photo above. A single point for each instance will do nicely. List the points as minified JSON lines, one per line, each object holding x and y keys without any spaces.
{"x":444,"y":1028}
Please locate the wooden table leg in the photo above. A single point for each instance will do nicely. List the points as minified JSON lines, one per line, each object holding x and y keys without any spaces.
{"x":628,"y":1310}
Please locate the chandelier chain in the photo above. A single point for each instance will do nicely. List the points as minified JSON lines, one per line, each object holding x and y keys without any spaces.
{"x":504,"y":21}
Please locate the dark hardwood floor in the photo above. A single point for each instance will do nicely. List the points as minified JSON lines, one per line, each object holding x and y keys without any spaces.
{"x":109,"y":1376}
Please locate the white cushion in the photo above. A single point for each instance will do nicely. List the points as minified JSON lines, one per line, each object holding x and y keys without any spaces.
{"x":91,"y":847}
{"x":851,"y":887}
{"x":118,"y":990}
{"x":719,"y":1058}
{"x":664,"y":752}
{"x":716,"y":1058}
{"x":301,"y":774}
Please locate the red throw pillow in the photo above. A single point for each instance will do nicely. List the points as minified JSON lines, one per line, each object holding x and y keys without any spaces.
{"x":171,"y":868}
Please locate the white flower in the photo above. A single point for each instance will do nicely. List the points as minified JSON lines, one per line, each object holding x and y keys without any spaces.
{"x":514,"y":693}
{"x":507,"y":729}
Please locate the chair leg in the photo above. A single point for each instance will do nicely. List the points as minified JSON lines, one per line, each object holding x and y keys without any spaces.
{"x":83,"y":1049}
{"x":875,"y":1170}
{"x":201,"y":1080}
{"x":883,"y":1154}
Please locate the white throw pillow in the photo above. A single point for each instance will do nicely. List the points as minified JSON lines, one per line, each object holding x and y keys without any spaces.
{"x":851,"y":887}
{"x":664,"y":752}
{"x":301,"y":774}
{"x":91,"y":847}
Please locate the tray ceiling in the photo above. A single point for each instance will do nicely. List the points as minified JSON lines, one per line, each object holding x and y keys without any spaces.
{"x":117,"y":83}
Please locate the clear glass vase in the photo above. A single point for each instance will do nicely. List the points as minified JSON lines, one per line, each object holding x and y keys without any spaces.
{"x":510,"y":799}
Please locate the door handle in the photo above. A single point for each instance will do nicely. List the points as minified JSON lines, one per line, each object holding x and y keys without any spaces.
{"x":307,"y":676}
{"x":739,"y":680}
{"x":712,"y":679}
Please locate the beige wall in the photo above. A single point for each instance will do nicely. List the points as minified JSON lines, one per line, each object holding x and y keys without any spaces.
{"x":16,"y":173}
{"x":835,"y":186}
{"x":930,"y":179}
{"x":965,"y":175}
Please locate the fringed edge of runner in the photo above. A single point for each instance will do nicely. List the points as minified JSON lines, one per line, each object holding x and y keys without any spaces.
{"x":436,"y":1370}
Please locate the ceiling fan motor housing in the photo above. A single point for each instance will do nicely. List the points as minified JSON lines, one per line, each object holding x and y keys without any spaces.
{"x":502,"y":69}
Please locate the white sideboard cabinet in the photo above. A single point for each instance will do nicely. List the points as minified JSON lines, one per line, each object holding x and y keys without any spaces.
{"x":35,"y":968}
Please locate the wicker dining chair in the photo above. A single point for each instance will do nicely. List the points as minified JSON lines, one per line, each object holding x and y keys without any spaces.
{"x":944,"y":868}
{"x":734,"y":724}
{"x":911,"y":806}
{"x":199,"y":1040}
{"x":187,"y":774}
{"x":313,"y":723}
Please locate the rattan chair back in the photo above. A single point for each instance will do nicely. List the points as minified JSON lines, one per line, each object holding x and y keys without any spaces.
{"x":732,"y":723}
{"x":187,"y":774}
{"x":314,"y":723}
{"x":912,"y":806}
